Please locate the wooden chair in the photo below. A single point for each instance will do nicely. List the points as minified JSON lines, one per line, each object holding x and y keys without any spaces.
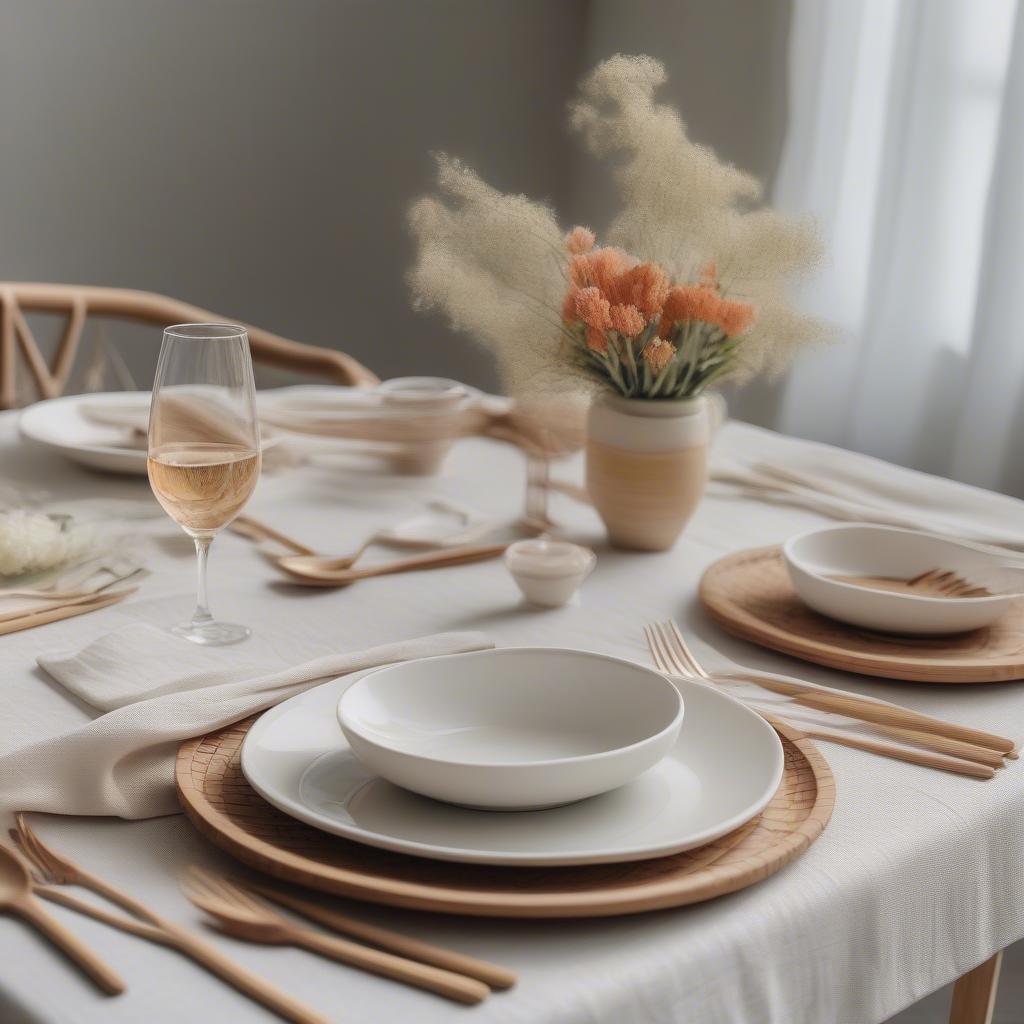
{"x":79,"y":302}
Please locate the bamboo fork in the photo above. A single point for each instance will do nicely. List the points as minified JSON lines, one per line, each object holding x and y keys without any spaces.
{"x":664,"y":642}
{"x":490,"y":974}
{"x":17,"y":896}
{"x":149,"y":925}
{"x":244,"y":917}
{"x":868,"y":709}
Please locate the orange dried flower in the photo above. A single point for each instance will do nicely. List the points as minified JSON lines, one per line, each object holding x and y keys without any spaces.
{"x":658,"y":353}
{"x":627,"y":320}
{"x":692,"y":302}
{"x":606,"y":267}
{"x":709,"y":274}
{"x":579,"y":240}
{"x":597,"y":269}
{"x":597,"y":341}
{"x":735,"y":317}
{"x":644,"y":286}
{"x":593,"y":308}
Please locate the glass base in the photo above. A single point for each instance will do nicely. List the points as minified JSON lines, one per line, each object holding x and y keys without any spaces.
{"x":212,"y":634}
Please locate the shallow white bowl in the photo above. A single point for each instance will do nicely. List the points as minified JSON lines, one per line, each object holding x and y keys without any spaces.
{"x":513,"y":729}
{"x":863,"y":550}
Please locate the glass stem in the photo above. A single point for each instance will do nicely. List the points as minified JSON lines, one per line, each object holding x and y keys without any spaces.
{"x":202,"y":612}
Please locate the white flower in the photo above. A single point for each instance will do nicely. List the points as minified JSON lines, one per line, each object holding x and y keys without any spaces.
{"x":32,"y":542}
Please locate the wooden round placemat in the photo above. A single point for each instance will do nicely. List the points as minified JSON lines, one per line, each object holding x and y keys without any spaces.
{"x":750,"y":595}
{"x":225,"y":808}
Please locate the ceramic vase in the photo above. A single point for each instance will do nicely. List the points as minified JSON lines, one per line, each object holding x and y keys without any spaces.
{"x":646,"y":467}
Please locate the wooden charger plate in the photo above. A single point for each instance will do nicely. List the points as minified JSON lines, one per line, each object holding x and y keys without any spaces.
{"x":225,"y":808}
{"x":749,"y":594}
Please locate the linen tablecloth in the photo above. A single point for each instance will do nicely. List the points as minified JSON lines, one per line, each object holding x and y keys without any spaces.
{"x":918,"y":878}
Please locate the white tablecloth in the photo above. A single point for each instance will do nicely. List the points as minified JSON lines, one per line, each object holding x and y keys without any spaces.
{"x":918,"y":878}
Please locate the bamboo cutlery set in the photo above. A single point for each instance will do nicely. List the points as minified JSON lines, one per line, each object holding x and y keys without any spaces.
{"x":26,"y":607}
{"x":240,"y":910}
{"x":892,"y":731}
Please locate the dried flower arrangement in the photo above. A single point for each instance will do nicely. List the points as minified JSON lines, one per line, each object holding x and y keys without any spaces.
{"x":689,"y":290}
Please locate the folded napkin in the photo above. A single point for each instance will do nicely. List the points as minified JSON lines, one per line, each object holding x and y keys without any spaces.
{"x":750,"y":462}
{"x":122,"y":763}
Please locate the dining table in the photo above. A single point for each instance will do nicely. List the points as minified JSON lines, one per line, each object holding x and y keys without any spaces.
{"x":917,"y":879}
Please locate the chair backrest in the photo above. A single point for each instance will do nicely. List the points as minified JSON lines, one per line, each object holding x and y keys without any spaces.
{"x":79,"y":302}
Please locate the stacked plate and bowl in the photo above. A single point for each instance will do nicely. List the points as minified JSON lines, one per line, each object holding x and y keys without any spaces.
{"x":518,"y":756}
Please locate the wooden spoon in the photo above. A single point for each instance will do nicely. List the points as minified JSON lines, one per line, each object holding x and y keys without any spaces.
{"x":322,"y":571}
{"x":16,"y":898}
{"x":253,"y":529}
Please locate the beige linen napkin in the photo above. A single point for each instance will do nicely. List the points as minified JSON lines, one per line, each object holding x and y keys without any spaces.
{"x":754,"y":463}
{"x":122,"y":763}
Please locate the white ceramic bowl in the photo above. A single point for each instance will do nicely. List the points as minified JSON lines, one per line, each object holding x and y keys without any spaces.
{"x":513,"y":729}
{"x":861,"y":550}
{"x":549,"y":572}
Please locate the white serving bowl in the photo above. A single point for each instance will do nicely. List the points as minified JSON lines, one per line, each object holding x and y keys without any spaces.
{"x":513,"y":729}
{"x":886,"y":551}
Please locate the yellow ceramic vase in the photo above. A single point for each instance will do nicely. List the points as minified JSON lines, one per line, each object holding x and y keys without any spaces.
{"x":646,"y":467}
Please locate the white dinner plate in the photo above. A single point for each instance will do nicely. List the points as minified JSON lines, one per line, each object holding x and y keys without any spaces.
{"x":723,"y":770}
{"x":62,"y":425}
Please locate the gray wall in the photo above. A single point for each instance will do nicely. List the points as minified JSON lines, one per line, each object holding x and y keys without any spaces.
{"x":256,"y":157}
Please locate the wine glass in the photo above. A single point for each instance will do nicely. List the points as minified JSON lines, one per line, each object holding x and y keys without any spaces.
{"x":204,"y":446}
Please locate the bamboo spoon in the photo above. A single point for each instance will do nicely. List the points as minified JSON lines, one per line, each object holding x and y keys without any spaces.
{"x":253,"y":529}
{"x":153,"y":927}
{"x":322,"y":571}
{"x":16,"y":898}
{"x":447,"y":959}
{"x":245,"y":918}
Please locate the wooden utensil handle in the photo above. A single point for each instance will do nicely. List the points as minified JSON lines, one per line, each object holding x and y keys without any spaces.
{"x":943,"y":762}
{"x":246,"y":526}
{"x":106,"y":979}
{"x":52,"y":602}
{"x":874,"y":711}
{"x":432,"y":560}
{"x":63,"y":611}
{"x":944,"y":745}
{"x":433,"y":979}
{"x":245,"y":981}
{"x":427,"y":953}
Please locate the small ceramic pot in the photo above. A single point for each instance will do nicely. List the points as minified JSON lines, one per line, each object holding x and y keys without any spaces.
{"x":646,"y":467}
{"x":433,"y":396}
{"x":549,"y":572}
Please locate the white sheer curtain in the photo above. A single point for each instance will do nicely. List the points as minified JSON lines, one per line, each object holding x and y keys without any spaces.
{"x":906,"y":138}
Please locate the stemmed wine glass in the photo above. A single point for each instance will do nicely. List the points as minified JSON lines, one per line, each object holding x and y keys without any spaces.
{"x":204,"y":446}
